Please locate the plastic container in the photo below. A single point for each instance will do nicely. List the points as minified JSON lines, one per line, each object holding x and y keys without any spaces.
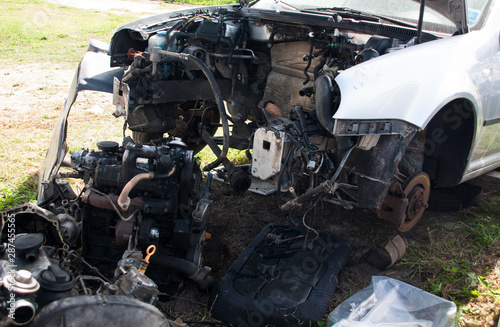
{"x":158,"y":40}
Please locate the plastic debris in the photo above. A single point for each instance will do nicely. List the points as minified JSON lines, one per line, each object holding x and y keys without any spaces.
{"x":391,"y":303}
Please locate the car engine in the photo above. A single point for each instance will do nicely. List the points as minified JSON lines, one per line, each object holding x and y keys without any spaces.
{"x":141,"y":195}
{"x":142,"y":207}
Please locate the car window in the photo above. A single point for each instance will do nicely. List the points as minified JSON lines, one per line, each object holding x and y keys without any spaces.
{"x":476,"y":10}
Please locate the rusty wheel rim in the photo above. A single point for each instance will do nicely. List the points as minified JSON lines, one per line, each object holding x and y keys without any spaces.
{"x":417,"y":189}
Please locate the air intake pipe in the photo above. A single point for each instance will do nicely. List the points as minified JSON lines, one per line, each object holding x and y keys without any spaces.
{"x":326,"y":104}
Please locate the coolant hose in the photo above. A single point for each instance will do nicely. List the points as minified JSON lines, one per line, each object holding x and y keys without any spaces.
{"x":199,"y":275}
{"x":182,"y":265}
{"x":155,"y":58}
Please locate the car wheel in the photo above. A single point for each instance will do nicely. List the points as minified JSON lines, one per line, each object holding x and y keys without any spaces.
{"x":454,"y":198}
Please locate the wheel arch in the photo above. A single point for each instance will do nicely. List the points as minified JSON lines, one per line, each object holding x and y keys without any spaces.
{"x":449,"y":137}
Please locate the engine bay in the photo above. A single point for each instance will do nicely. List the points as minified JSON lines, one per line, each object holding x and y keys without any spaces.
{"x":269,"y":82}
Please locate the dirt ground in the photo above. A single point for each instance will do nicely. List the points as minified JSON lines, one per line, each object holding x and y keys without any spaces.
{"x":31,"y":97}
{"x":122,"y":6}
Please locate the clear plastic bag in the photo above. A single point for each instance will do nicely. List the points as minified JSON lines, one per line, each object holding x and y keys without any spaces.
{"x":390,"y":303}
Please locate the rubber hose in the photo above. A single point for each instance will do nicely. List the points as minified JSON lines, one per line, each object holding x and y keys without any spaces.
{"x":218,"y":100}
{"x":181,"y":265}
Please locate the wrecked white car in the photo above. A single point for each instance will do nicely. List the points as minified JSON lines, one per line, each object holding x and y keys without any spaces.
{"x":362,"y":104}
{"x":369,"y":105}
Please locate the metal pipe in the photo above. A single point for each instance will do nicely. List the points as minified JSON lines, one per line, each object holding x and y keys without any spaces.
{"x":221,"y":55}
{"x":24,"y":312}
{"x":420,"y":22}
{"x":327,"y":186}
{"x":197,"y":274}
{"x":108,"y":202}
{"x":123,"y":199}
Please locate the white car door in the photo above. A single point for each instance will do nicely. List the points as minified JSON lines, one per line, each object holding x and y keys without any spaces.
{"x":486,"y":74}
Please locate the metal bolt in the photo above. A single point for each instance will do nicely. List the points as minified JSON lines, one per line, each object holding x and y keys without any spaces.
{"x":154,"y":233}
{"x":112,"y":289}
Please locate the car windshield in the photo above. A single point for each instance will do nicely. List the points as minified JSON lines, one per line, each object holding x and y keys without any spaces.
{"x":405,"y":10}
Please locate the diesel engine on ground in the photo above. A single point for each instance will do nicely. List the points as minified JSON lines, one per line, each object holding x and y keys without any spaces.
{"x":141,"y":195}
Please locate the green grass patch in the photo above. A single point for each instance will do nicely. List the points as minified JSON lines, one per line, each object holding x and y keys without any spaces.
{"x":34,"y":30}
{"x":25,"y":192}
{"x":237,"y":157}
{"x":456,"y":264}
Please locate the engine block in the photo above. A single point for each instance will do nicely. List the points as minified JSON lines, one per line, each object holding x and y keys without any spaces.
{"x":141,"y":195}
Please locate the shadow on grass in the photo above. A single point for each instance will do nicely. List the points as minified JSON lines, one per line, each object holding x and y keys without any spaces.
{"x":25,"y":192}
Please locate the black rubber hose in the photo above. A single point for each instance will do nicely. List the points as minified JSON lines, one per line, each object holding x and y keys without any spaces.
{"x":174,"y":28}
{"x":319,"y":67}
{"x":284,"y":166}
{"x":302,"y":119}
{"x":301,"y":148}
{"x":218,"y":100}
{"x":303,"y":126}
{"x":309,"y":60}
{"x":181,"y":265}
{"x":324,"y":102}
{"x":306,"y":91}
{"x":239,"y":180}
{"x":204,"y":114}
{"x":176,"y":35}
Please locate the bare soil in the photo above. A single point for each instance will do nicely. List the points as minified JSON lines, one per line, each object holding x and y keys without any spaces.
{"x":31,"y":97}
{"x":122,"y":6}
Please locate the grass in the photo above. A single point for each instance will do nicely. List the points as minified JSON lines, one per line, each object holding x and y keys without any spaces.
{"x":460,"y":263}
{"x":35,"y":33}
{"x":237,"y":157}
{"x":25,"y":192}
{"x":33,"y":30}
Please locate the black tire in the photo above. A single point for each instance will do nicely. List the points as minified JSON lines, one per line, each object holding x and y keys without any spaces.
{"x":454,"y":198}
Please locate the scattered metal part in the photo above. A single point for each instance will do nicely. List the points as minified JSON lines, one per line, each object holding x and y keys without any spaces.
{"x":136,"y":284}
{"x":395,"y":250}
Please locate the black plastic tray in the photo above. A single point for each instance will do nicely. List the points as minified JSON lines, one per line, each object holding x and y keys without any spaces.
{"x":285,"y":277}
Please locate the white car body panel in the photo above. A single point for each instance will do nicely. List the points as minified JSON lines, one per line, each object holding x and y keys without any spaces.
{"x":397,"y":86}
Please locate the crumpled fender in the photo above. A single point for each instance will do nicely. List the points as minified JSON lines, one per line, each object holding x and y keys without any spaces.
{"x":413,"y":84}
{"x":94,"y":73}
